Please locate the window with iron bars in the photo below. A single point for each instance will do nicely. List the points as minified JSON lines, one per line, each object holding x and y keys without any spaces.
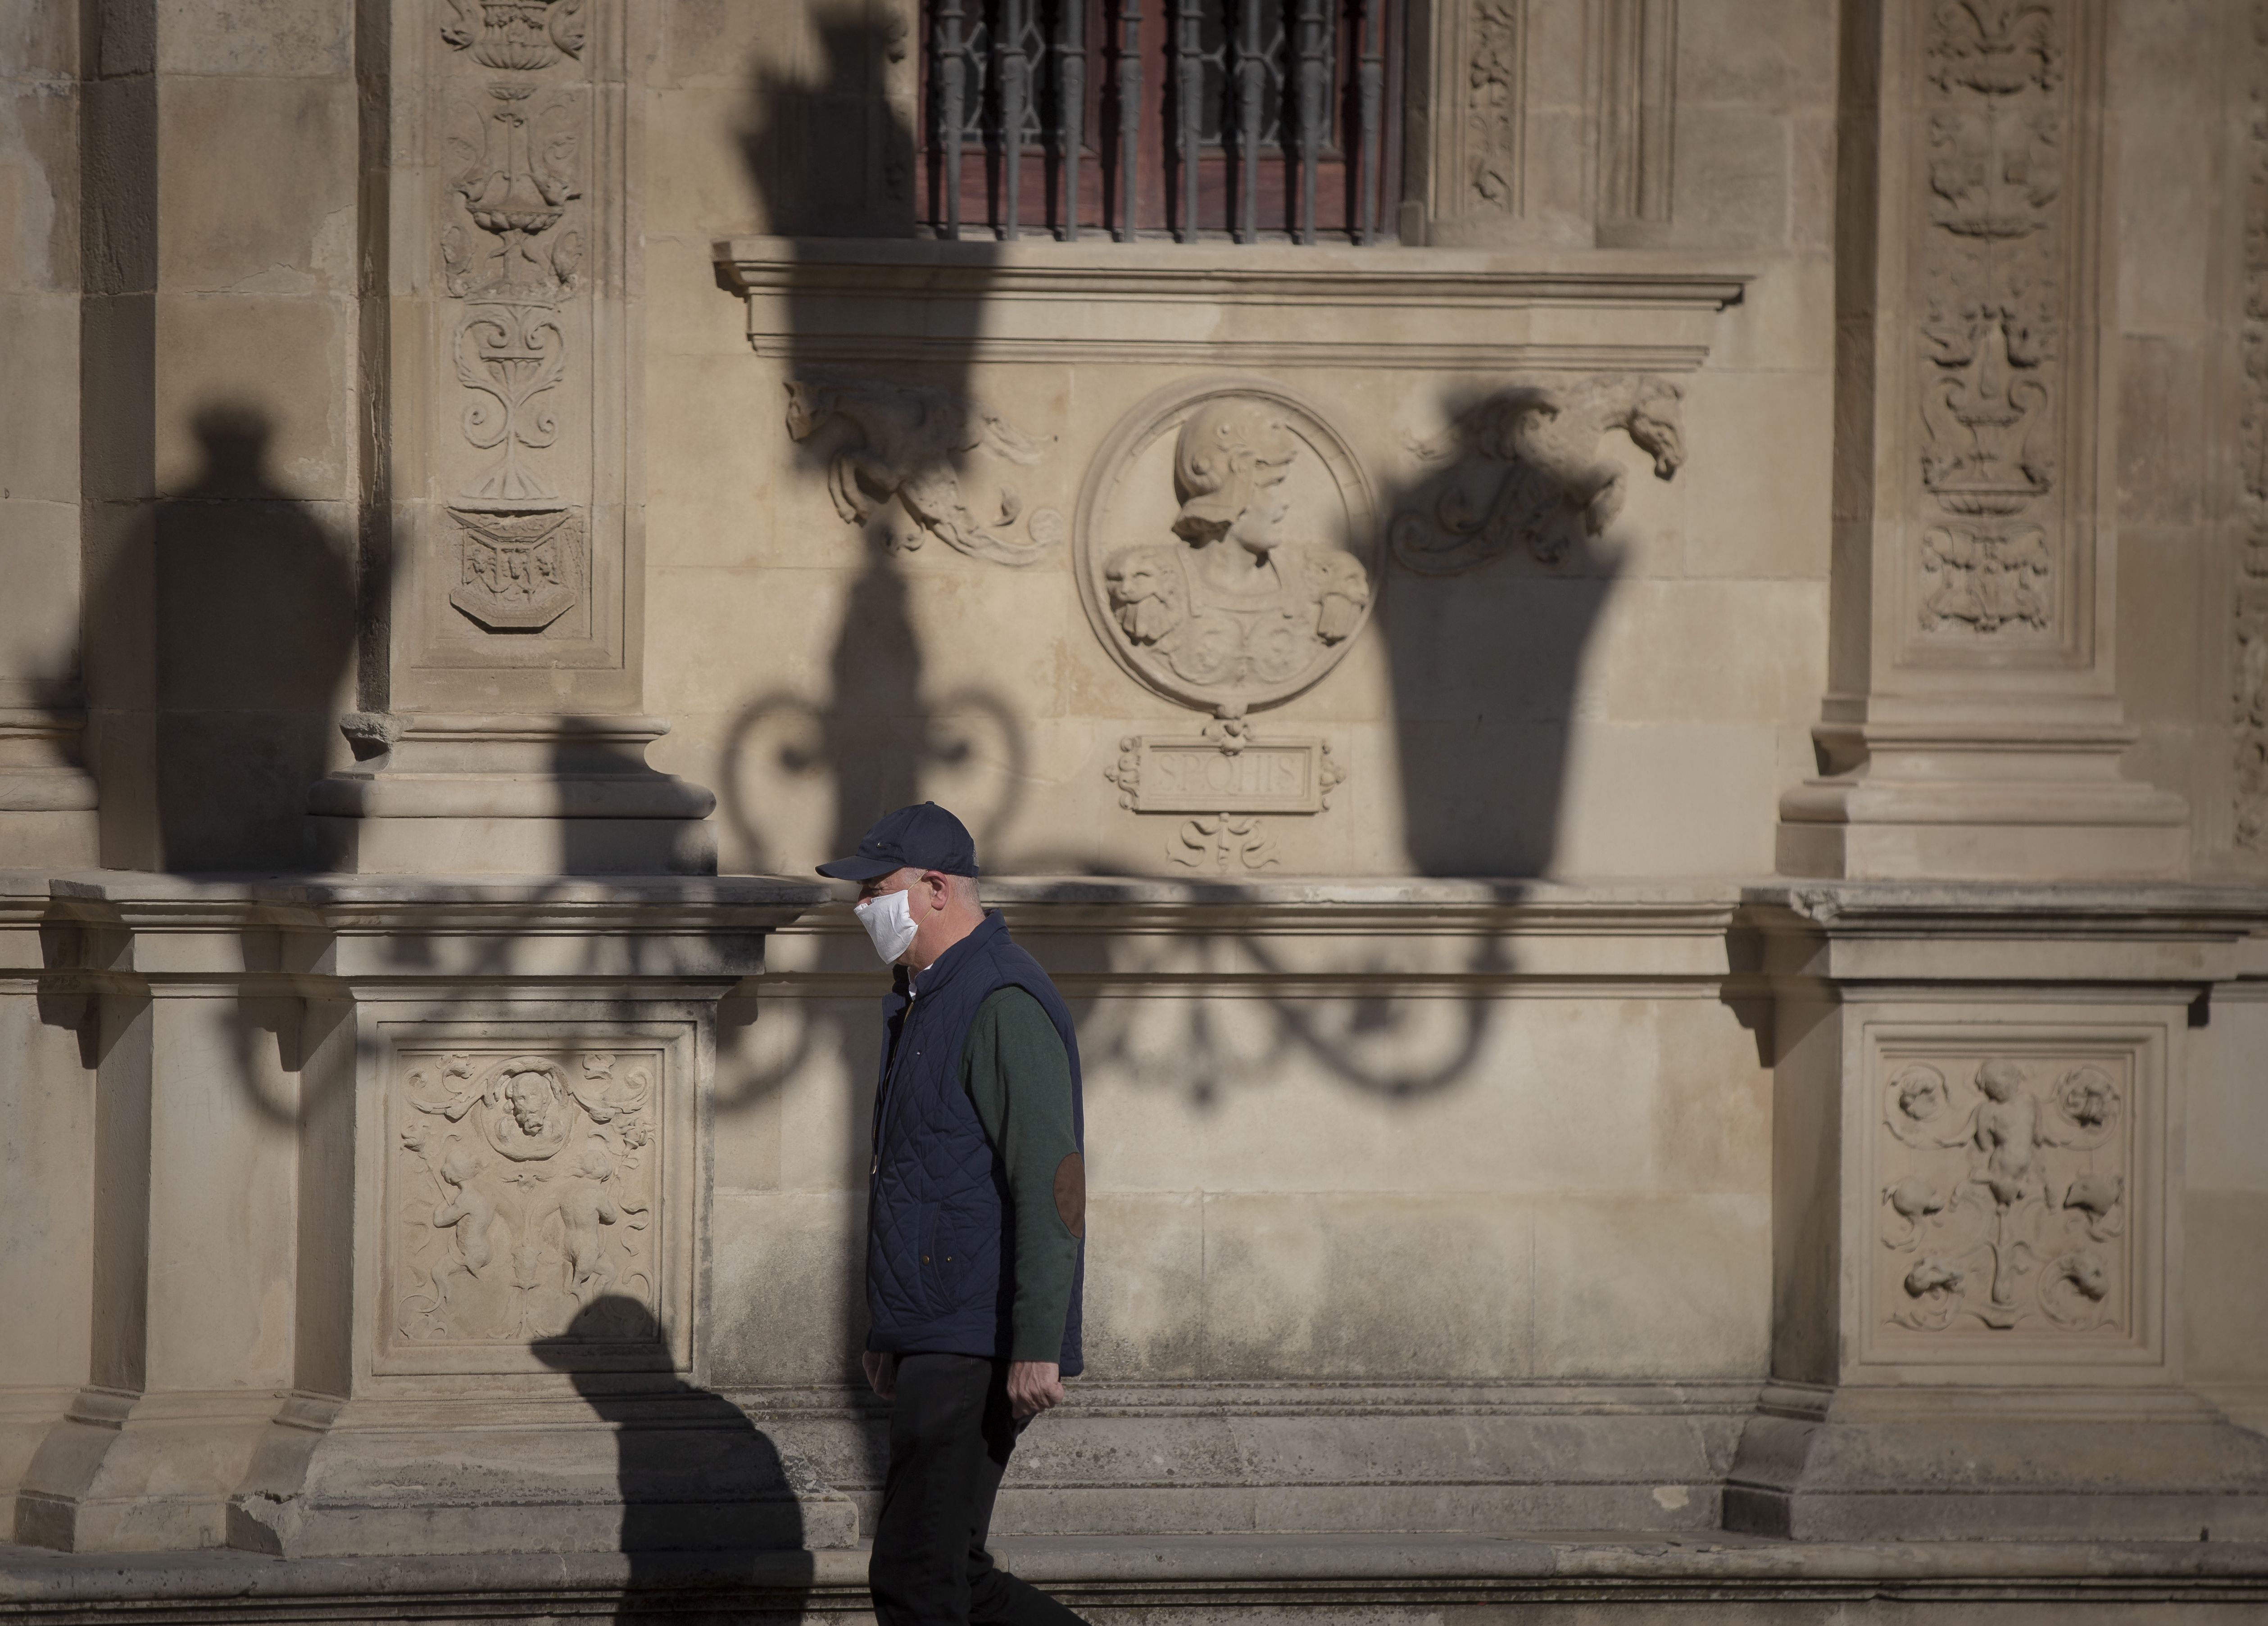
{"x":1245,"y":119}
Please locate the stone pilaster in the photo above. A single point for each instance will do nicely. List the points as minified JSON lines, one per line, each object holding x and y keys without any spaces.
{"x":501,"y":688}
{"x":1972,"y":726}
{"x":1978,"y":1205}
{"x":47,"y":797}
{"x":1542,"y":124}
{"x":403,"y":1245}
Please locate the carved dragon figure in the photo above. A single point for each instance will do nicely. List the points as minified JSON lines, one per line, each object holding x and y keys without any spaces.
{"x":906,"y":444}
{"x":1553,"y":481}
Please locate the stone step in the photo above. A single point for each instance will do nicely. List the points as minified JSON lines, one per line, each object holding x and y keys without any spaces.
{"x":1377,"y":1579}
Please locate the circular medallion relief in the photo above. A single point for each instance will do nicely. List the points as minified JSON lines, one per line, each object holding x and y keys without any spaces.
{"x":1226,"y":545}
{"x":528,"y":1117}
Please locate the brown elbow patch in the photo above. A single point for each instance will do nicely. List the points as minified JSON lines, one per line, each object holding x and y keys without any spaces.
{"x":1070,"y":1193}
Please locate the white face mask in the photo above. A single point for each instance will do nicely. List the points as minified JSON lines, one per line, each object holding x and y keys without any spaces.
{"x":889,"y":923}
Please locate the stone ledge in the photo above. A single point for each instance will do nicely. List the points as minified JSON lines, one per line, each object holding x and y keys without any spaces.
{"x":1213,"y":305}
{"x":1388,"y":1577}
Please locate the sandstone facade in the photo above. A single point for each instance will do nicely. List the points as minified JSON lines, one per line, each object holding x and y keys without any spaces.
{"x":1644,"y":763}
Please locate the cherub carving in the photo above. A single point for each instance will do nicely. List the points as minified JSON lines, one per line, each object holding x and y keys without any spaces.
{"x":2008,"y":1132}
{"x":1238,"y":604}
{"x":583,"y":1206}
{"x":538,"y":1215}
{"x":1554,"y":487}
{"x":907,"y":445}
{"x":468,"y":1214}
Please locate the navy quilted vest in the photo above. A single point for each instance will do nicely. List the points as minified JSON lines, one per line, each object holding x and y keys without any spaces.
{"x":940,"y":1258}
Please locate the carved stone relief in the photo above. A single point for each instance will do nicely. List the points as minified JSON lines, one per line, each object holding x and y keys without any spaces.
{"x":521,"y":1188}
{"x":1208,"y":774}
{"x":1523,"y":469}
{"x":522,"y":572}
{"x":2251,"y":698}
{"x":903,"y":444}
{"x":1226,"y":555}
{"x":1224,"y":550}
{"x":1639,"y":42}
{"x":1493,"y":69}
{"x":2250,"y":664}
{"x":512,"y":246}
{"x":523,"y":34}
{"x":2004,"y":1191}
{"x":1995,"y":291}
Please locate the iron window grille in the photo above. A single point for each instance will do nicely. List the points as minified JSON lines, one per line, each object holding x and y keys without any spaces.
{"x":1247,"y":119}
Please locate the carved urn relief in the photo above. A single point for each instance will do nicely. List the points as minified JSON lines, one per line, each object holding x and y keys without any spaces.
{"x":1995,"y":297}
{"x":1226,"y":557}
{"x":518,"y":159}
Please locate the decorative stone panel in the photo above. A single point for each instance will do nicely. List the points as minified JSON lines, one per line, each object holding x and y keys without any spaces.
{"x":2013,"y":1195}
{"x":2004,"y":173}
{"x":2249,"y":591}
{"x":515,"y":337}
{"x":532,"y":1182}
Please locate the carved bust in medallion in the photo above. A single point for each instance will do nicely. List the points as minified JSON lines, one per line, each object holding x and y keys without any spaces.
{"x":1226,"y":553}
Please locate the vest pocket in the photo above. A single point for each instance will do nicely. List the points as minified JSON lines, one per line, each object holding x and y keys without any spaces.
{"x":964,"y":1262}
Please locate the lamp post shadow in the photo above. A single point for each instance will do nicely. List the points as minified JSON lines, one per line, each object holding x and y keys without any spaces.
{"x":709,"y":1506}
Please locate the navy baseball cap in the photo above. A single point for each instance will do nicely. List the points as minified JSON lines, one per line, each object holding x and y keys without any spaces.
{"x":922,"y":837}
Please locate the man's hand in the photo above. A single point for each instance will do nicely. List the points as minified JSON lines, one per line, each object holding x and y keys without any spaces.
{"x":1032,"y":1386}
{"x":881,"y":1374}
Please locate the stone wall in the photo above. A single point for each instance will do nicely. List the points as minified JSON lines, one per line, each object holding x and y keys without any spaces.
{"x":507,"y":487}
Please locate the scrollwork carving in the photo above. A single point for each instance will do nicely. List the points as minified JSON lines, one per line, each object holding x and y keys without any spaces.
{"x":519,"y":545}
{"x":2249,"y":653}
{"x":1995,"y":296}
{"x":1984,"y":578}
{"x":894,"y":443}
{"x":2007,"y":1188}
{"x":1492,"y":103}
{"x":510,"y":357}
{"x":522,"y":35}
{"x":2251,"y":695}
{"x":1223,"y":841}
{"x":1523,"y":470}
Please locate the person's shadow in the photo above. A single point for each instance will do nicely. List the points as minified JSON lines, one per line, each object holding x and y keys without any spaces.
{"x":709,"y":1507}
{"x":251,"y":608}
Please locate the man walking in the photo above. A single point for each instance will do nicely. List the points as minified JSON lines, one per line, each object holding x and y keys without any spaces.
{"x":975,"y":1219}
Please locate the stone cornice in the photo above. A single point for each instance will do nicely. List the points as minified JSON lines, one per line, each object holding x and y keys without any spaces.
{"x":1317,"y":934}
{"x":1220,"y":306}
{"x":1255,"y":274}
{"x":2168,"y":936}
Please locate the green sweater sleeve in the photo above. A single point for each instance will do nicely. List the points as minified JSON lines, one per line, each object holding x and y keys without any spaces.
{"x":1019,"y":1078}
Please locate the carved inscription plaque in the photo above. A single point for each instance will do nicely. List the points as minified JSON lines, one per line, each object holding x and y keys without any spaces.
{"x":522,"y":1186}
{"x":1196,"y":775}
{"x":1289,"y":776}
{"x":2007,"y":1184}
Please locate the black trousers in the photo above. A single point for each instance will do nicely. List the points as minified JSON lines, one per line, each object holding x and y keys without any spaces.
{"x":951,"y":1431}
